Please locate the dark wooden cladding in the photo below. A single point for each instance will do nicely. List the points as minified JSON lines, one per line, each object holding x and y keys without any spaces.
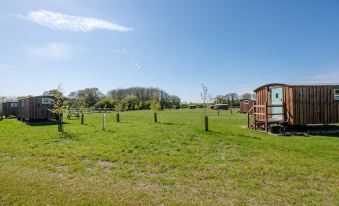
{"x":316,"y":105}
{"x":304,"y":104}
{"x":246,"y":105}
{"x":33,"y":108}
{"x":10,"y":109}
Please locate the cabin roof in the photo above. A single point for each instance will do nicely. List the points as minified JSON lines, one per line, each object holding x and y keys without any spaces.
{"x":297,"y":84}
{"x":10,"y":102}
{"x":42,"y":96}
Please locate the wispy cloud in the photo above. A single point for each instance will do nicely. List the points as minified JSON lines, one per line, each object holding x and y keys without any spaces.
{"x":64,"y":22}
{"x":330,"y":77}
{"x":132,"y":56}
{"x":53,"y":51}
{"x":126,"y":53}
{"x":5,"y":67}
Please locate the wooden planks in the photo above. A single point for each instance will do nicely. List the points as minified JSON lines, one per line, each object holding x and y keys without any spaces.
{"x":246,"y":105}
{"x":33,"y":108}
{"x":10,"y":108}
{"x":303,"y":104}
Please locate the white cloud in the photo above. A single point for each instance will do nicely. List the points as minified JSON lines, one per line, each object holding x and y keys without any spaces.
{"x":126,"y":53}
{"x":132,"y":56}
{"x":64,"y":22}
{"x":330,"y":77}
{"x":53,"y":51}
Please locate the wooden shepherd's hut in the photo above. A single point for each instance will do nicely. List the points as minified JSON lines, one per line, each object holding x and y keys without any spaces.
{"x":295,"y":104}
{"x":246,"y":105}
{"x":10,"y":109}
{"x":36,"y":108}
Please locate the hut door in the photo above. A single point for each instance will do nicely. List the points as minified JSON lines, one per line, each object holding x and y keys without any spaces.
{"x":277,"y":99}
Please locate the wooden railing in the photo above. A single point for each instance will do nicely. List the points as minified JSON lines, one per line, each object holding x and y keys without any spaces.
{"x":261,"y":110}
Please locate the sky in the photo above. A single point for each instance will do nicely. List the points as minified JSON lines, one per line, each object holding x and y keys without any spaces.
{"x":175,"y":45}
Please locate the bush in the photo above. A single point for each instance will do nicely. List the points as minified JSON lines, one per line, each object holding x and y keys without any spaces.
{"x":105,"y":101}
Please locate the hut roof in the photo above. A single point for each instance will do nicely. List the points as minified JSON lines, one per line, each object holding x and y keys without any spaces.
{"x":297,"y":84}
{"x":42,"y":96}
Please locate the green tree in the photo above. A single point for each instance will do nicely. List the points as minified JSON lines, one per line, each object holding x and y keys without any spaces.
{"x":53,"y":92}
{"x":90,"y":96}
{"x":246,"y":96}
{"x":105,"y":101}
{"x":58,"y":108}
{"x":133,"y":102}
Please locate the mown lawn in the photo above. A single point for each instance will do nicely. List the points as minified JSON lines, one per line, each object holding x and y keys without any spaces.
{"x":174,"y":162}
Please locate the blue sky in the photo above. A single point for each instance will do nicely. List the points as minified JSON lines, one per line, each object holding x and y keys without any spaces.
{"x":230,"y":46}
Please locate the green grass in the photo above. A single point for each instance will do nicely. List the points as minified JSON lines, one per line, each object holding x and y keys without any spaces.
{"x":173,"y":162}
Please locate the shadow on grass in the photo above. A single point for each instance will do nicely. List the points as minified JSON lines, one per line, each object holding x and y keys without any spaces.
{"x":66,"y":135}
{"x":326,"y":135}
{"x":249,"y":136}
{"x":170,"y":123}
{"x":42,"y":123}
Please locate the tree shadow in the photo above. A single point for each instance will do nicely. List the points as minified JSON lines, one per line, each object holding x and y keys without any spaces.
{"x":170,"y":123}
{"x":42,"y":123}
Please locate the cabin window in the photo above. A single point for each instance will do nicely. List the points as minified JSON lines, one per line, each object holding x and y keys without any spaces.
{"x":46,"y":101}
{"x":336,"y":94}
{"x":246,"y":102}
{"x":14,"y":104}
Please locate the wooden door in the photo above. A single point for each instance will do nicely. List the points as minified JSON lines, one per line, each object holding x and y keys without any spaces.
{"x":277,"y":99}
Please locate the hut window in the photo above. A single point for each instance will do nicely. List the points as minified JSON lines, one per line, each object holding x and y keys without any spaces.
{"x":46,"y":101}
{"x":246,"y":102}
{"x":336,"y":94}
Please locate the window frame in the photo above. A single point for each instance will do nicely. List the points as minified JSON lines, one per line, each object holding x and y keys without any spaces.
{"x":336,"y":94}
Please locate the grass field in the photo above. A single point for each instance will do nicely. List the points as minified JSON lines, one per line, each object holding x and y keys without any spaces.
{"x":173,"y":162}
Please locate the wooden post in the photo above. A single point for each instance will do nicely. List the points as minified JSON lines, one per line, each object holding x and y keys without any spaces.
{"x":82,"y":118}
{"x":248,"y":120}
{"x":206,"y":123}
{"x":254,"y":118}
{"x":155,"y":117}
{"x":118,"y":117}
{"x":60,"y":126}
{"x":218,"y":112}
{"x":231,"y":111}
{"x":266,"y":118}
{"x":266,"y":109}
{"x":104,"y":121}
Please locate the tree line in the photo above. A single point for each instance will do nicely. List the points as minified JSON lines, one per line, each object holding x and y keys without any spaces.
{"x":133,"y":98}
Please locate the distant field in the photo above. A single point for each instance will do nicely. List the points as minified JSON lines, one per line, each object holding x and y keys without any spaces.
{"x":174,"y":162}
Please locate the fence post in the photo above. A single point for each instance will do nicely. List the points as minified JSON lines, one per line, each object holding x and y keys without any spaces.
{"x":118,"y":117}
{"x":218,"y":112}
{"x":248,"y":120}
{"x":206,"y":123}
{"x":266,"y":118}
{"x":155,"y":117}
{"x":60,"y":126}
{"x":82,"y":118}
{"x":104,"y":121}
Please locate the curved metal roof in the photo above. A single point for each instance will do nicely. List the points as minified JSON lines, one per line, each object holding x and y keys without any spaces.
{"x":269,"y":85}
{"x":297,"y":84}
